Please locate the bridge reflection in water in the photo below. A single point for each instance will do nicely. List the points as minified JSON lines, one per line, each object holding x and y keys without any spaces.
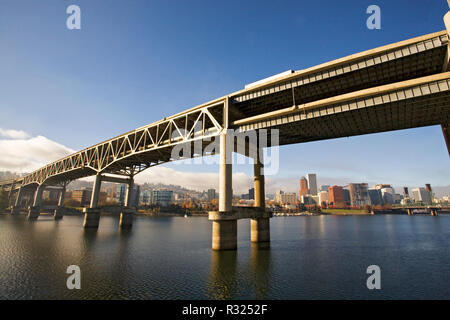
{"x":225,"y":283}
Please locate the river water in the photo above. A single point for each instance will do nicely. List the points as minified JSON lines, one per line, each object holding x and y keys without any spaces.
{"x":318,"y":257}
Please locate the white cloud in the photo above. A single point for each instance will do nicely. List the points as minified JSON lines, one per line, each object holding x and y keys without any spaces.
{"x":14,"y":134}
{"x":193,"y":180}
{"x":22,"y":153}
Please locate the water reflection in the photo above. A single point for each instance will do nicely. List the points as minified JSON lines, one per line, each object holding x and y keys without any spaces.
{"x":260,"y":262}
{"x":222,"y":282}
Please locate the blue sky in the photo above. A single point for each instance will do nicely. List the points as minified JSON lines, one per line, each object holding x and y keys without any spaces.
{"x":135,"y":62}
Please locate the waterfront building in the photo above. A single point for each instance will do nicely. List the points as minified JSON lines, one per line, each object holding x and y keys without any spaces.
{"x":312,"y":183}
{"x":359,"y":195}
{"x":323,"y":197}
{"x":421,"y":195}
{"x":375,"y":197}
{"x":336,"y":196}
{"x":285,"y":198}
{"x":145,"y":197}
{"x":162,"y":197}
{"x":308,"y":200}
{"x":346,"y":195}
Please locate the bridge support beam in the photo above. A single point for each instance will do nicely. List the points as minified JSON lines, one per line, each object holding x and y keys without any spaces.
{"x":410,"y":212}
{"x":92,"y":214}
{"x":446,"y":132}
{"x":126,"y":216}
{"x":434,"y":212}
{"x":58,"y":214}
{"x":224,"y":232}
{"x":35,"y":210}
{"x":10,"y":194}
{"x":16,"y":207}
{"x":259,"y":227}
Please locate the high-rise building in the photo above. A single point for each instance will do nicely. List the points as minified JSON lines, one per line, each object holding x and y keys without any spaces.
{"x":346,"y":194}
{"x":324,"y":187}
{"x":336,"y":196}
{"x":323,"y":197}
{"x":387,"y":194}
{"x":312,"y":183}
{"x":285,"y":198}
{"x":358,"y":194}
{"x":251,"y":194}
{"x":303,"y":190}
{"x":375,"y":197}
{"x":405,"y":192}
{"x":211,"y":194}
{"x":421,"y":195}
{"x":120,"y":194}
{"x":278,"y":195}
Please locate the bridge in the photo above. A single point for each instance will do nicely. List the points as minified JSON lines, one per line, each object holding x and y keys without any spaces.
{"x":397,"y":86}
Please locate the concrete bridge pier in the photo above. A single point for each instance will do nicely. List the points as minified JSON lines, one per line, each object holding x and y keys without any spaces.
{"x":434,"y":212}
{"x":410,"y":212}
{"x":92,"y":214}
{"x":126,"y":216}
{"x":58,"y":214}
{"x":224,"y":231}
{"x":16,"y":207}
{"x":35,"y":210}
{"x":259,"y":227}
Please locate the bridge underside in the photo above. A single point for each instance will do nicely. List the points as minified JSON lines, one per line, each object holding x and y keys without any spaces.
{"x":421,"y":105}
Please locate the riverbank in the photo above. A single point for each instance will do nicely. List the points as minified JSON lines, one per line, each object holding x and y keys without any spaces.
{"x":345,"y":212}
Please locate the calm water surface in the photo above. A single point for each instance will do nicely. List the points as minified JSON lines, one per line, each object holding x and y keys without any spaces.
{"x":323,"y":257}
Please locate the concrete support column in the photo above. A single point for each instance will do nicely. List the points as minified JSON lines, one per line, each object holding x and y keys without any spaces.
{"x":10,"y":198}
{"x":129,"y":194}
{"x":259,"y":183}
{"x":96,"y":191}
{"x":126,"y":216}
{"x":224,"y":232}
{"x":35,"y":210}
{"x":16,"y":207}
{"x":446,"y":132}
{"x":259,"y":227}
{"x":62,"y":194}
{"x":58,"y":214}
{"x":225,"y":175}
{"x":92,"y":214}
